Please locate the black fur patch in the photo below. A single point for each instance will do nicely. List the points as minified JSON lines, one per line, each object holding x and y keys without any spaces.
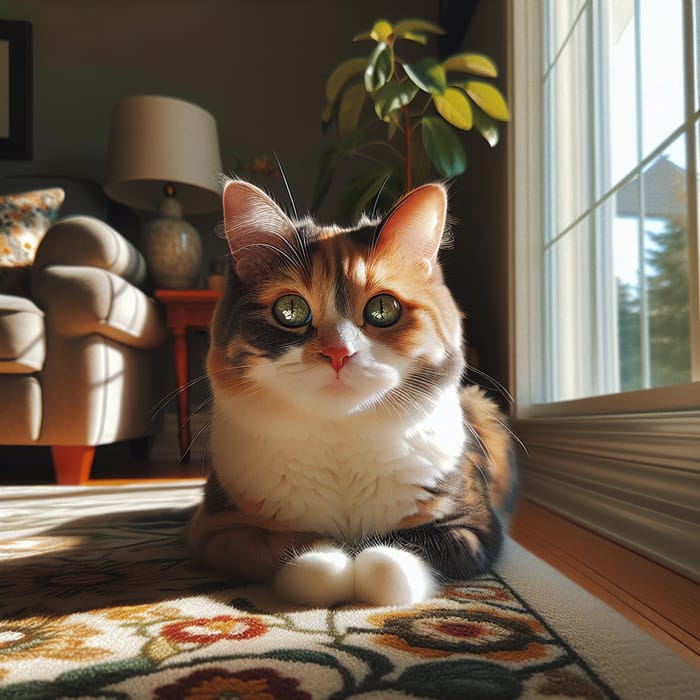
{"x":443,"y":546}
{"x":271,"y":340}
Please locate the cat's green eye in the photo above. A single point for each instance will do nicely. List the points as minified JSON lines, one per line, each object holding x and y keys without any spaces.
{"x":382,"y":311}
{"x":292,"y":311}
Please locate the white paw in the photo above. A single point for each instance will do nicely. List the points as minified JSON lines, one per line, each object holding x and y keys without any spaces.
{"x":390,"y":576}
{"x":319,"y":577}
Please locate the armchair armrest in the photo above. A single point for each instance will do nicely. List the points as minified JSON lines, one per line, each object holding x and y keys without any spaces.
{"x":78,"y":301}
{"x":85,"y":240}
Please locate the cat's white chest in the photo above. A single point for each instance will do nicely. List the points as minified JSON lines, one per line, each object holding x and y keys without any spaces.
{"x":343,"y":479}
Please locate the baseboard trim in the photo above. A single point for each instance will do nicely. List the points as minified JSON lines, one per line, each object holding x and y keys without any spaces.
{"x":633,"y":479}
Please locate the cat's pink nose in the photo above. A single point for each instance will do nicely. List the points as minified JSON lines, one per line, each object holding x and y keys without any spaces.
{"x":337,"y":355}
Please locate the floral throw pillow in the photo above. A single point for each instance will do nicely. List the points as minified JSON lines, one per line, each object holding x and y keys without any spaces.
{"x":24,"y":219}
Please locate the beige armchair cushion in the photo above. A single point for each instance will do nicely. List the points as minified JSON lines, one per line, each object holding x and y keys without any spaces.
{"x":79,"y":301}
{"x":84,"y":240}
{"x":20,"y":409}
{"x":22,"y":342}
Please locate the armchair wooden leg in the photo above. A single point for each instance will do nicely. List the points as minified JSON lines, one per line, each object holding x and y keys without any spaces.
{"x":72,"y":463}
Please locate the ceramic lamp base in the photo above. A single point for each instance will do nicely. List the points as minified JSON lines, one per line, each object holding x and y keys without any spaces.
{"x":173,"y":249}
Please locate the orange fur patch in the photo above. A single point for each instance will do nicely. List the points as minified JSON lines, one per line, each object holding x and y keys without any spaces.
{"x":488,"y":423}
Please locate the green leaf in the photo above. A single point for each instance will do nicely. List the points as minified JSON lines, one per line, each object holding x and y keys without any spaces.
{"x":486,"y":126}
{"x":414,"y":36}
{"x":394,"y":121}
{"x":393,"y":96}
{"x":454,"y":107}
{"x":341,"y":74}
{"x":412,"y":30}
{"x":420,"y":163}
{"x":327,"y":115}
{"x":380,"y":67}
{"x":361,"y":194}
{"x":350,"y":108}
{"x":382,"y":30}
{"x":443,"y":147}
{"x":330,"y":158}
{"x":408,"y":26}
{"x":474,"y":63}
{"x":489,"y":99}
{"x":428,"y":75}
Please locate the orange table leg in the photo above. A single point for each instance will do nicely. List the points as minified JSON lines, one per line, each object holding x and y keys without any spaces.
{"x":72,"y":463}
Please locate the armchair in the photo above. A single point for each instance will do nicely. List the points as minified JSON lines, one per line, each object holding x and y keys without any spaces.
{"x":81,"y":361}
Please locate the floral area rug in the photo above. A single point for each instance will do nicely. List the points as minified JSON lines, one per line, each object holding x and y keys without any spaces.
{"x":98,"y":599}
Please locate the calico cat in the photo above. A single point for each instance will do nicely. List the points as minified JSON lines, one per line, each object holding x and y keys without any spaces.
{"x":348,"y":463}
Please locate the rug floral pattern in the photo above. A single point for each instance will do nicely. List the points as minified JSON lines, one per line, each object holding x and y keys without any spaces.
{"x":98,"y":603}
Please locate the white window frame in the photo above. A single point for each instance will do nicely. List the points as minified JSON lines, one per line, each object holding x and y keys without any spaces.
{"x":626,"y":465}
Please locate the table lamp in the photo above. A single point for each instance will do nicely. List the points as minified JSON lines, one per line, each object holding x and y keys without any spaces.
{"x":164,"y":155}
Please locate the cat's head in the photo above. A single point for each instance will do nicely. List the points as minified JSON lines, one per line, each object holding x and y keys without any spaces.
{"x":335,"y":321}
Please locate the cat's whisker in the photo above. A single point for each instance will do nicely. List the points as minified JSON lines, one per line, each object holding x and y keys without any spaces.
{"x":293,"y":368}
{"x":289,"y":258}
{"x":474,"y":433}
{"x":201,"y":406}
{"x":171,"y":396}
{"x":303,"y":250}
{"x":496,"y":385}
{"x":292,"y":203}
{"x":508,"y":429}
{"x":403,"y":403}
{"x":245,"y":390}
{"x":202,"y":431}
{"x":378,"y":197}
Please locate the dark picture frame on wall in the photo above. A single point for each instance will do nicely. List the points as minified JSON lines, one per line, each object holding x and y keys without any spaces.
{"x":15,"y":90}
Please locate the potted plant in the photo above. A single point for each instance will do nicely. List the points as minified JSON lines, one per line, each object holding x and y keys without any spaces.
{"x":402,"y":117}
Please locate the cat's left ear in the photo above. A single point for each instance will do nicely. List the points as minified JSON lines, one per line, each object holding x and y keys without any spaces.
{"x":257,"y":230}
{"x":414,"y":228}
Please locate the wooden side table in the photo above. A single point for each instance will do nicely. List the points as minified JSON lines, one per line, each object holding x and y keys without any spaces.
{"x":185,"y":310}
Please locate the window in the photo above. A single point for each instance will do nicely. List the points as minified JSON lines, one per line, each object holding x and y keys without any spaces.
{"x":604,"y":153}
{"x":616,"y":242}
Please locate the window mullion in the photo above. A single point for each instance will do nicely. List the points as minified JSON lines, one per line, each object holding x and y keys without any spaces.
{"x":602,"y":273}
{"x":692,"y":232}
{"x":644,"y":339}
{"x":594,"y":286}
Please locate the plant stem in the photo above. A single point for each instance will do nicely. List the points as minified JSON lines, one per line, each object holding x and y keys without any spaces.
{"x":409,"y":155}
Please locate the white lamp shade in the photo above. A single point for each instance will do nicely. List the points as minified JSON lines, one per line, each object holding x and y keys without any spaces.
{"x":154,"y":141}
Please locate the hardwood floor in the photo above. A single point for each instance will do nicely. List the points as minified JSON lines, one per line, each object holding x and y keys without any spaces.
{"x":661,"y":602}
{"x":19,"y":466}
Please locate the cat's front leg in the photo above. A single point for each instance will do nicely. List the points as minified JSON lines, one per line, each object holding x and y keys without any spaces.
{"x":246,"y":553}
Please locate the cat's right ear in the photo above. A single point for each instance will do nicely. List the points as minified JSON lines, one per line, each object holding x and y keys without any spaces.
{"x":257,"y":230}
{"x":413,"y":230}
